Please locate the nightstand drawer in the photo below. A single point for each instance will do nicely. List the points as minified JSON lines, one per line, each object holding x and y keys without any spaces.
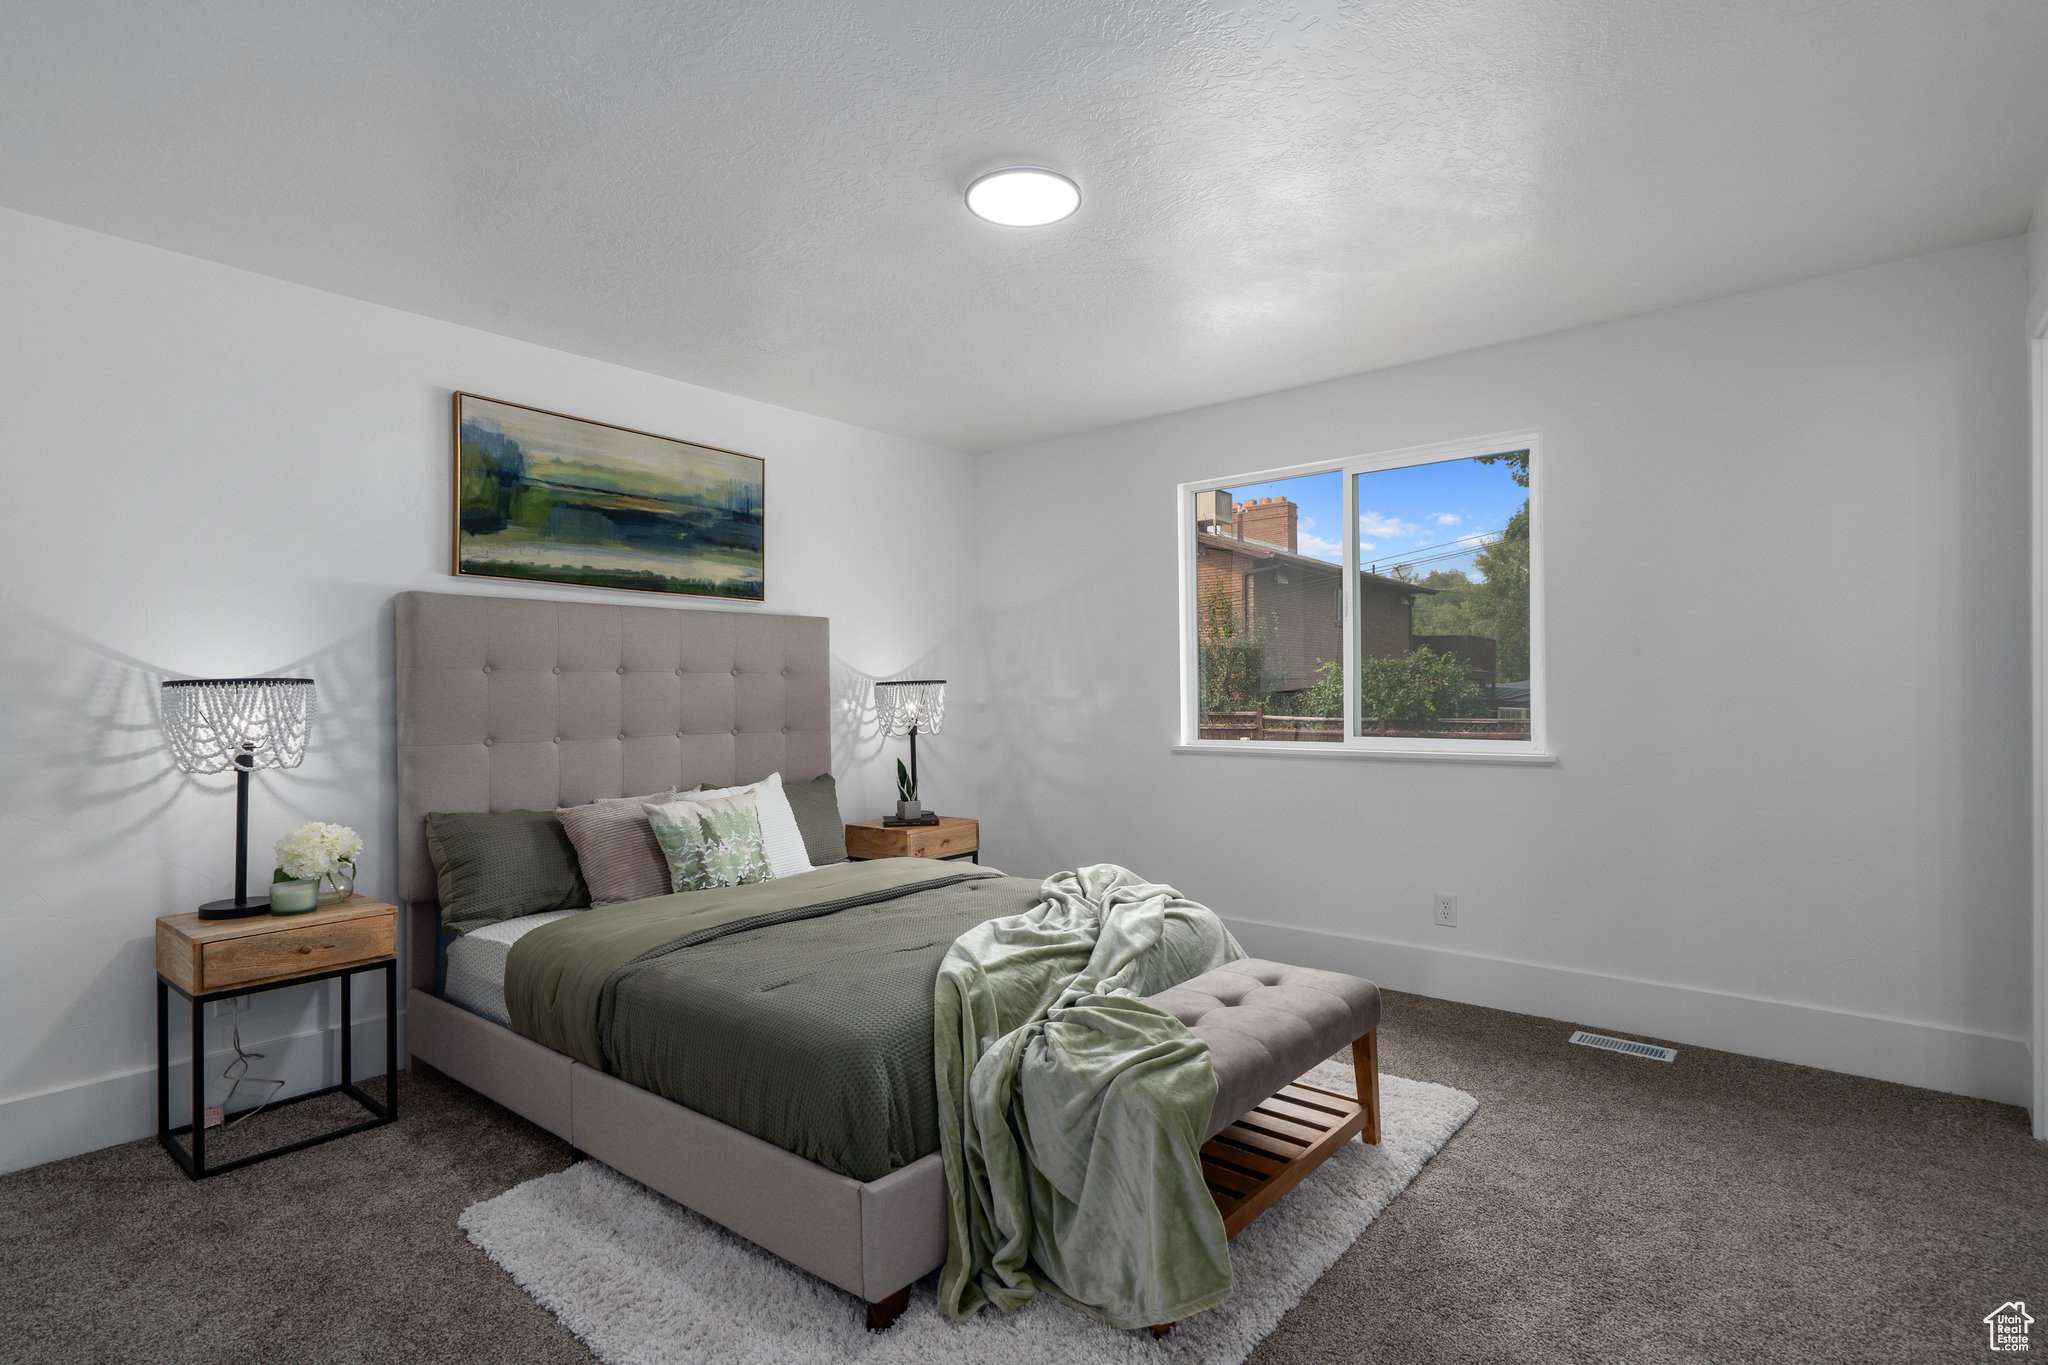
{"x":940,"y":841}
{"x":288,"y":952}
{"x":955,"y":836}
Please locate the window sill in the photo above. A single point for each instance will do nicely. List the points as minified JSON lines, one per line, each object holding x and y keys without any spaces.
{"x":1294,"y":749}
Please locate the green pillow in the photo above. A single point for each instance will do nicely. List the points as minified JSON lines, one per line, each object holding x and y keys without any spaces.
{"x":710,"y":841}
{"x":499,"y":865}
{"x":816,"y":806}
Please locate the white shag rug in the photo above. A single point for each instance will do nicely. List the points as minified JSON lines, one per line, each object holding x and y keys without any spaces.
{"x":643,"y":1281}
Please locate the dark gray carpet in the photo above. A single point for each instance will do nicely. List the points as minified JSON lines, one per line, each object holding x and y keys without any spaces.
{"x":1598,"y":1208}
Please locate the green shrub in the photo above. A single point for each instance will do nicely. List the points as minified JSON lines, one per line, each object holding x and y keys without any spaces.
{"x":1233,"y":675}
{"x":1233,"y":667}
{"x":1420,"y":685}
{"x":1326,"y":696}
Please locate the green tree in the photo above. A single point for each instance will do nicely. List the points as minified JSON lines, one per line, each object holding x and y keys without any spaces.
{"x":1501,"y":602}
{"x":1448,"y":610}
{"x":1497,"y":605}
{"x":1517,"y":462}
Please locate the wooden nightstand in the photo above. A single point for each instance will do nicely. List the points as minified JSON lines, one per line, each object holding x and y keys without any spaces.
{"x":208,"y":960}
{"x":955,"y":836}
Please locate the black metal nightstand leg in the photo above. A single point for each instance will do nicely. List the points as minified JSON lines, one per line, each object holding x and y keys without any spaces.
{"x":163,"y":1062}
{"x":391,"y":1039}
{"x":198,"y":1089}
{"x":348,"y":1053}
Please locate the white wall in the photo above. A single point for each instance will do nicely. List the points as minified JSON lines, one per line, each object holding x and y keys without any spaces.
{"x":2037,"y":264}
{"x":2037,"y":348}
{"x":1788,"y":624}
{"x":210,"y":472}
{"x":1787,"y":596}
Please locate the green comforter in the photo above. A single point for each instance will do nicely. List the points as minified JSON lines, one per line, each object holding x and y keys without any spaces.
{"x":1072,"y":1111}
{"x":797,"y":1009}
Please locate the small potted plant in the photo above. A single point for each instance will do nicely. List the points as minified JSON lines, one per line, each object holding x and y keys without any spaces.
{"x":321,"y":854}
{"x":907,"y":809}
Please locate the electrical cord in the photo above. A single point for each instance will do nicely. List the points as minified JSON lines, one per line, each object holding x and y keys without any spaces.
{"x":237,"y":1072}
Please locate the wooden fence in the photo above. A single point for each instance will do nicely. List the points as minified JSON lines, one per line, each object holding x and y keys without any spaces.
{"x":1257,"y":725}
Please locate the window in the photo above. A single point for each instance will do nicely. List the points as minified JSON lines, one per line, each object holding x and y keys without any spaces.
{"x":1418,"y":567}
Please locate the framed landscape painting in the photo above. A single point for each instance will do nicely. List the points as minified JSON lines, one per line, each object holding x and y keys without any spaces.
{"x":542,"y":496}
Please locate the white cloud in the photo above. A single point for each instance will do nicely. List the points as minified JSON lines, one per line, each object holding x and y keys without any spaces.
{"x":1366,"y":547}
{"x":1373,"y":524}
{"x":1448,"y":518}
{"x":1318,"y":547}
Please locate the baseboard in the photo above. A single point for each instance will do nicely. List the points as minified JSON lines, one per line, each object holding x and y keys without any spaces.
{"x":85,"y":1117}
{"x":1935,"y":1057}
{"x":68,"y":1120}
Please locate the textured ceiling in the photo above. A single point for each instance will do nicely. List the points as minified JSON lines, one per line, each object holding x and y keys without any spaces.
{"x":765,"y":198}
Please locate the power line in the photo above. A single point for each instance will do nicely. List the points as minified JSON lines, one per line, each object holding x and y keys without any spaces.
{"x":1404,"y":563}
{"x":1482,"y":537}
{"x":1428,"y":559}
{"x":1453,"y":549}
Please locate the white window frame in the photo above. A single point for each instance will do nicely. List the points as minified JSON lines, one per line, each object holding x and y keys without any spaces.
{"x":1535,"y":749}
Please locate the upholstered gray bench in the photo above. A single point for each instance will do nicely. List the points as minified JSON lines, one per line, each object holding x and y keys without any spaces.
{"x":1266,"y":1023}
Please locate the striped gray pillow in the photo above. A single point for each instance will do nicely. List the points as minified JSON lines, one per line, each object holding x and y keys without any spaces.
{"x":616,"y":846}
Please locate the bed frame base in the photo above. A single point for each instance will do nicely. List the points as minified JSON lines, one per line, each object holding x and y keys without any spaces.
{"x":873,"y":1239}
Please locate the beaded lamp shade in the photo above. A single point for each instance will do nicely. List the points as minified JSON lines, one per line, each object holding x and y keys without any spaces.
{"x":238,"y":725}
{"x":216,"y":725}
{"x":911,"y":705}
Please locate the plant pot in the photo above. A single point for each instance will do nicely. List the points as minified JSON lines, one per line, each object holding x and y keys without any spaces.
{"x":908,"y":810}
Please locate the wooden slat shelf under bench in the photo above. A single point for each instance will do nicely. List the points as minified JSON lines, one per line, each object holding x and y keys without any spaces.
{"x":1269,"y":1151}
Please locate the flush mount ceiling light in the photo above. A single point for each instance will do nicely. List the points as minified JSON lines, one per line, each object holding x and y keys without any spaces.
{"x":1023,"y":196}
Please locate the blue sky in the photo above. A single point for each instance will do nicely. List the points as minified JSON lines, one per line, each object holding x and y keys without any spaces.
{"x":1406,"y":515}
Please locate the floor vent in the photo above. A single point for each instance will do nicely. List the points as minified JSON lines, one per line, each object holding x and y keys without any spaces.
{"x":1633,"y":1049}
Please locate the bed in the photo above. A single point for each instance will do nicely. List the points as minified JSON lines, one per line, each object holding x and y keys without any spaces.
{"x":514,"y":703}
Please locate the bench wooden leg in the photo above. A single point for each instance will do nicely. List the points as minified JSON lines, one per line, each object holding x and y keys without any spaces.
{"x":1365,"y":1067}
{"x":882,"y":1315}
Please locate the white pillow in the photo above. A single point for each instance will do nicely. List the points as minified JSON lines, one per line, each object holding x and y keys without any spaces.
{"x":779,"y":834}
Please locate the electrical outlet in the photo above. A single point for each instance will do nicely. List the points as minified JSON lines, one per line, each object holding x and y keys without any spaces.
{"x":213,"y":1115}
{"x":223,"y":1008}
{"x":1446,"y":910}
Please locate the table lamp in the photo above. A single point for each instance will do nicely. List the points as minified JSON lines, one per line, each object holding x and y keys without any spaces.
{"x":215,"y":724}
{"x":906,"y":706}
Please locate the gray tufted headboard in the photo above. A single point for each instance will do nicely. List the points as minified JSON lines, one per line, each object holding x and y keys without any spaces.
{"x":509,"y":703}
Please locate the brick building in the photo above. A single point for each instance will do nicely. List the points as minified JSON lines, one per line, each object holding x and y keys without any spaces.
{"x":1248,"y":565}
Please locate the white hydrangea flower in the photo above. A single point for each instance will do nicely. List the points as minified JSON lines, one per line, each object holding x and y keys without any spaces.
{"x":344,"y":843}
{"x":316,"y":848}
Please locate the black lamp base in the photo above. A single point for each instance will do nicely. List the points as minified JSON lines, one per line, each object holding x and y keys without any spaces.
{"x":235,"y":909}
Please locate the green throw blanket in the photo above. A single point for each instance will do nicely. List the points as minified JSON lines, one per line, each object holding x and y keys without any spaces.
{"x":1071,"y":1112}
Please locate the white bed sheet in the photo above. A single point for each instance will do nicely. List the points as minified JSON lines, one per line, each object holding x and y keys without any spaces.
{"x":476,"y":964}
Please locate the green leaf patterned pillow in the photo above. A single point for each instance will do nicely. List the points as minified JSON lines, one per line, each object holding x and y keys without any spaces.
{"x":711,"y":842}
